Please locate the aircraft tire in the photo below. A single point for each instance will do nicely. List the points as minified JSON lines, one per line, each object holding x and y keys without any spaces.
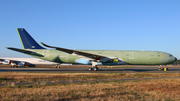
{"x":95,"y":68}
{"x":90,"y":69}
{"x":56,"y":66}
{"x":166,"y":68}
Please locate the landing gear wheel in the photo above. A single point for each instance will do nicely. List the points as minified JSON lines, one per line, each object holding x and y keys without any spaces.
{"x":166,"y":68}
{"x":56,"y":66}
{"x":95,"y":68}
{"x":90,"y":69}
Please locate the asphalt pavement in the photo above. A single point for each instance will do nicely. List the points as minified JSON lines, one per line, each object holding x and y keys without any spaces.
{"x":101,"y":70}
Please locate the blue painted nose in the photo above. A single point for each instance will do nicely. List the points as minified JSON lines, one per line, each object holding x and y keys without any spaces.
{"x":175,"y":58}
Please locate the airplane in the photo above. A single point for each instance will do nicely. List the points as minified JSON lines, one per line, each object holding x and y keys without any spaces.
{"x":22,"y":62}
{"x":90,"y":57}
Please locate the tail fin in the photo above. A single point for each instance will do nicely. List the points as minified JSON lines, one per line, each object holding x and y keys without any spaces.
{"x":27,"y":41}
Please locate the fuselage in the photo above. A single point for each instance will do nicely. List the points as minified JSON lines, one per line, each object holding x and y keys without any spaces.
{"x":90,"y":57}
{"x":124,"y":57}
{"x":34,"y":61}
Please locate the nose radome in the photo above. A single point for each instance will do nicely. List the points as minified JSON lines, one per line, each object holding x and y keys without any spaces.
{"x":175,"y":58}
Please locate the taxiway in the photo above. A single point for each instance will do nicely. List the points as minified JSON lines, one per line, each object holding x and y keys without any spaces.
{"x":101,"y":70}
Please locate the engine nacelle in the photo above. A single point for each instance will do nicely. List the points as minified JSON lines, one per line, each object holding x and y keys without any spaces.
{"x":109,"y":59}
{"x":6,"y":62}
{"x":115,"y":60}
{"x":21,"y":64}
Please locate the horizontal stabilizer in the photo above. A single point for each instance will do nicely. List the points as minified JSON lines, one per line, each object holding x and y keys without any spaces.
{"x":25,"y":51}
{"x":20,"y":50}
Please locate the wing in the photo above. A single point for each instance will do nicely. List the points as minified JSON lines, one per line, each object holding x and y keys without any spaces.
{"x":85,"y":54}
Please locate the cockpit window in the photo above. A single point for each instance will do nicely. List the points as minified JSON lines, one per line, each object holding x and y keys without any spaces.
{"x":170,"y":55}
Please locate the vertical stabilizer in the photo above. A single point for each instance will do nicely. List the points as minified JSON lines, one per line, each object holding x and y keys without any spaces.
{"x":27,"y":41}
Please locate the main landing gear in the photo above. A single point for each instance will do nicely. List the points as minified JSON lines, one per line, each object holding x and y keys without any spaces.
{"x":15,"y":66}
{"x":93,"y":68}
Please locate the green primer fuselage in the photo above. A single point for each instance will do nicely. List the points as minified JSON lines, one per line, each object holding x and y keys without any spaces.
{"x":129,"y":57}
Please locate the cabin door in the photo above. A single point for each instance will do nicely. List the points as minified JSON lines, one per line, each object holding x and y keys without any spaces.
{"x":131,"y":55}
{"x":46,"y":53}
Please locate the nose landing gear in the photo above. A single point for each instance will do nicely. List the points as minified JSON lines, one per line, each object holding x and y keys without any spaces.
{"x":162,"y":69}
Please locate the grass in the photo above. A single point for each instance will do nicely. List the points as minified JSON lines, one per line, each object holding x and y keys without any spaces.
{"x":1,"y":79}
{"x":150,"y":90}
{"x":33,"y":77}
{"x":164,"y":89}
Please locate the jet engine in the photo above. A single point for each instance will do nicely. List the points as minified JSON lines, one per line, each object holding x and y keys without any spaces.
{"x":6,"y":62}
{"x":115,"y":60}
{"x":21,"y":64}
{"x":109,"y":59}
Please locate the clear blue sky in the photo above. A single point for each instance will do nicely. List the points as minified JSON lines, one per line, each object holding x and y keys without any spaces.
{"x":92,"y":24}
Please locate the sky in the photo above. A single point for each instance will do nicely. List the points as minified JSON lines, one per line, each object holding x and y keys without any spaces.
{"x":92,"y":24}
